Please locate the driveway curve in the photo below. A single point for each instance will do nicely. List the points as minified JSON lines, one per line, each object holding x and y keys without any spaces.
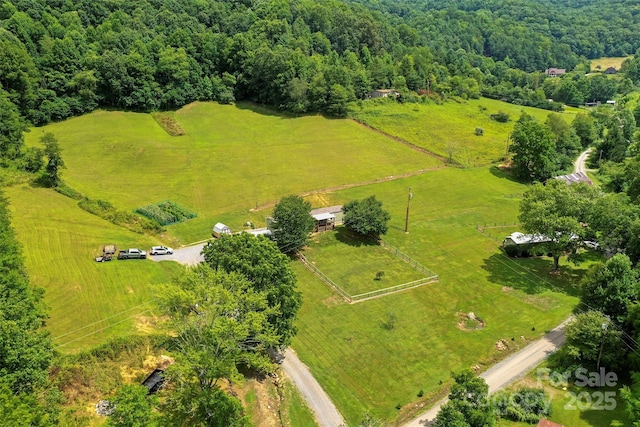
{"x":509,"y":370}
{"x":580,"y":164}
{"x":325,"y":411}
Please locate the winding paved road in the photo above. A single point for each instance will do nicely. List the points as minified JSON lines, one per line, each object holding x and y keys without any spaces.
{"x":580,"y":164}
{"x":325,"y":411}
{"x":511,"y":369}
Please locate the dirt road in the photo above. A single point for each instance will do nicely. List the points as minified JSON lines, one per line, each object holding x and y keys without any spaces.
{"x":511,"y":369}
{"x":326,"y":413}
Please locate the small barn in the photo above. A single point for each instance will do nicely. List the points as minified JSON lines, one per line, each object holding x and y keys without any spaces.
{"x":327,"y":218}
{"x":610,"y":70}
{"x":220,"y":229}
{"x":519,"y":244}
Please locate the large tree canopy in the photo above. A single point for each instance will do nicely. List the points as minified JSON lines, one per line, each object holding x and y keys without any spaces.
{"x":292,"y":223}
{"x":557,"y":211}
{"x":366,"y":217}
{"x":267,"y":269}
{"x":611,"y":287}
{"x":534,"y":150}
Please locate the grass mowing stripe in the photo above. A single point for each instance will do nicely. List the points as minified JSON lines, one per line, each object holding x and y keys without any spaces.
{"x":102,"y":329}
{"x":102,"y":320}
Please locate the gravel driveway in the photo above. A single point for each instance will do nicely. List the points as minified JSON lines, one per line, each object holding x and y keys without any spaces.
{"x":190,"y":255}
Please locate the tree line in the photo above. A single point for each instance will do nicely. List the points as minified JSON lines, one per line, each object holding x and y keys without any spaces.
{"x":59,"y":59}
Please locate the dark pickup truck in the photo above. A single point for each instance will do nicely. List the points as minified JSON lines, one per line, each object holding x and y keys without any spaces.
{"x":132,"y":253}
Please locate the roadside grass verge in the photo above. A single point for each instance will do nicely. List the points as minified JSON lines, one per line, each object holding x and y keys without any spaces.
{"x":449,"y":129}
{"x":354,"y":263}
{"x":231,"y":159}
{"x":367,"y":367}
{"x":567,"y":410}
{"x":89,"y":302}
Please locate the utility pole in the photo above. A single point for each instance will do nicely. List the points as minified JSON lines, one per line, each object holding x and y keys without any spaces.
{"x":604,"y":331}
{"x":406,"y":221}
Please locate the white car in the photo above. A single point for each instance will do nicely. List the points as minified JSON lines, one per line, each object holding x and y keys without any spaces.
{"x":161,"y":250}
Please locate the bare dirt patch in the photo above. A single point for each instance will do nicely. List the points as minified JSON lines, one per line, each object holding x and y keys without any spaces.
{"x":469,"y":322}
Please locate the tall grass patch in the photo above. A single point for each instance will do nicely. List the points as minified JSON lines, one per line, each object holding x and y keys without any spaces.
{"x":449,"y":129}
{"x":166,"y":213}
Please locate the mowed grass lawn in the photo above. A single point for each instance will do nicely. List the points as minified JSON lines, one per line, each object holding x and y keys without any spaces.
{"x":353,"y":263}
{"x":450,"y":128}
{"x":89,"y":302}
{"x":231,"y":159}
{"x":366,"y":367}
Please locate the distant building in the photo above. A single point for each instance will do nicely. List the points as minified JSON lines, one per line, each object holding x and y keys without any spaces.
{"x":611,"y":102}
{"x":220,"y":229}
{"x":384,"y":93}
{"x":610,"y":70}
{"x":554,"y":72}
{"x":575,"y":177}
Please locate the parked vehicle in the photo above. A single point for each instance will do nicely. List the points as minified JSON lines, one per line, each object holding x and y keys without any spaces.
{"x":161,"y":250}
{"x":107,"y":253}
{"x":132,"y":253}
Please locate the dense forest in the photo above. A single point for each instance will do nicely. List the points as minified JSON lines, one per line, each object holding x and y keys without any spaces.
{"x":59,"y":59}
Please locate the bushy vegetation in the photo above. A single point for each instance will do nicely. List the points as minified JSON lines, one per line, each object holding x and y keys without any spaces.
{"x":107,"y":211}
{"x":165,"y":213}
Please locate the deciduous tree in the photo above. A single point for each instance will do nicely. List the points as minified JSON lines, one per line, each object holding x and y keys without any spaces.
{"x":366,"y":217}
{"x":268,"y":271}
{"x":54,"y":155}
{"x":534,"y":151}
{"x":292,"y":223}
{"x":557,"y":211}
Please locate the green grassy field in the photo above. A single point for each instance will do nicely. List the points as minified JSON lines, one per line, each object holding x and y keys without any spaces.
{"x":366,"y":367}
{"x":602,"y":64}
{"x":450,"y":128}
{"x":89,"y":302}
{"x":230,"y":160}
{"x":352,"y":263}
{"x":233,"y":158}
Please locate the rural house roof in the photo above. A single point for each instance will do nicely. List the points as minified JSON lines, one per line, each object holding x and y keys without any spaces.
{"x":321,"y":216}
{"x":551,"y":72}
{"x":329,"y":209}
{"x":610,"y":70}
{"x":519,"y":238}
{"x":575,"y":177}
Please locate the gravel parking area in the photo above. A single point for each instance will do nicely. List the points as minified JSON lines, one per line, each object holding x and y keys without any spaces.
{"x":190,"y":255}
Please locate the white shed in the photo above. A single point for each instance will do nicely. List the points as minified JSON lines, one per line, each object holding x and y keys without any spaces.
{"x":220,"y":229}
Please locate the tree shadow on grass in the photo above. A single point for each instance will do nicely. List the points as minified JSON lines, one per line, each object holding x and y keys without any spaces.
{"x":353,"y":239}
{"x":499,"y":173}
{"x":532,"y":275}
{"x":264,"y":110}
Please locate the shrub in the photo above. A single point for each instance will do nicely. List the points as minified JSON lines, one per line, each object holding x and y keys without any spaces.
{"x":500,"y":116}
{"x":479,"y":131}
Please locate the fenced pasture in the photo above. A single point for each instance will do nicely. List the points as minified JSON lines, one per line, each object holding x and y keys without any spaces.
{"x":449,"y":130}
{"x":365,"y":366}
{"x":360,"y":269}
{"x":230,"y":160}
{"x":89,"y":302}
